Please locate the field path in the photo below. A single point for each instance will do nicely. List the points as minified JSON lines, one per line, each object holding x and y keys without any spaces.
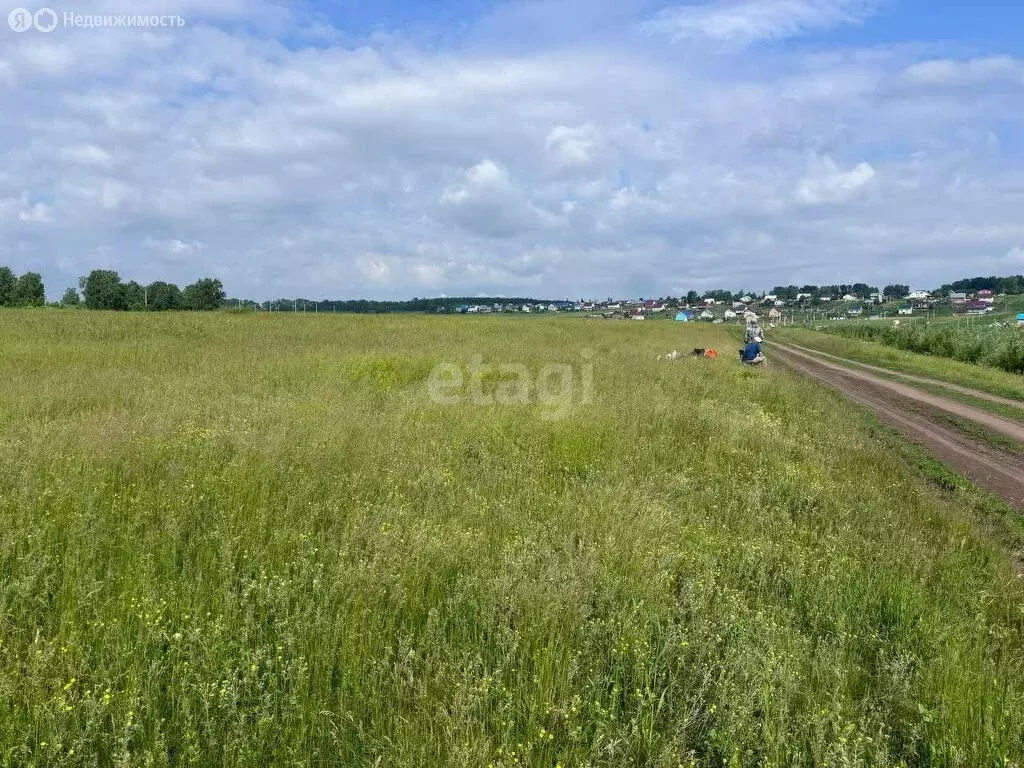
{"x":911,"y":377}
{"x":899,"y":405}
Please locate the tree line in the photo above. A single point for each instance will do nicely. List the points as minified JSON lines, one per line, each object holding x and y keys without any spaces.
{"x":25,"y":290}
{"x":369,"y":307}
{"x":103,"y":289}
{"x":1012,"y":285}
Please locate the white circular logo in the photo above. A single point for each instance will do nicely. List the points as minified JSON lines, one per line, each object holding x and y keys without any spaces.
{"x":45,"y":20}
{"x":20,"y":20}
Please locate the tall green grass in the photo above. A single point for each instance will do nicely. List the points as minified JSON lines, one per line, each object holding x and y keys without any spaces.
{"x":254,"y":541}
{"x":1000,"y":347}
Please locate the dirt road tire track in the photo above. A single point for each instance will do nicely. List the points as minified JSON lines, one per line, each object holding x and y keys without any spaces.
{"x":997,"y":472}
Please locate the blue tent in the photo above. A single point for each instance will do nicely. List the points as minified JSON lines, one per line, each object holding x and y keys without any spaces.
{"x":1020,"y":317}
{"x":682,"y":317}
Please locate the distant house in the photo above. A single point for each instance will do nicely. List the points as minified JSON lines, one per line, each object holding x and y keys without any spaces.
{"x":825,"y":298}
{"x":878,"y":298}
{"x":774,"y":315}
{"x":746,"y":299}
{"x":855,"y":311}
{"x":706,"y":315}
{"x":958,"y":297}
{"x":985,"y":294}
{"x":802,"y":296}
{"x":770,"y":299}
{"x":850,"y":297}
{"x":977,"y":307}
{"x":906,"y":309}
{"x":919,"y":296}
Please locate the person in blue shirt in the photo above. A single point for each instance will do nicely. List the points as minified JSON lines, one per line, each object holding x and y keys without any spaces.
{"x":752,"y":338}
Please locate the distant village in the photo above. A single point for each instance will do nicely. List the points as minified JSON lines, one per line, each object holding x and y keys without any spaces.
{"x":773,"y":307}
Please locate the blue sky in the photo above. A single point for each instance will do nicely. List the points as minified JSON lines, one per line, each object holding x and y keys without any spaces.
{"x":562,"y":148}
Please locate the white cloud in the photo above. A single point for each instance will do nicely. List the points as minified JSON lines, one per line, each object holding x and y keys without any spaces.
{"x":39,"y":213}
{"x":485,"y":202}
{"x":828,"y":184}
{"x":556,"y":165}
{"x":174,"y":250}
{"x":88,"y":155}
{"x":965,"y":73}
{"x":375,"y":270}
{"x":742,"y":22}
{"x":572,"y":147}
{"x":430,"y":275}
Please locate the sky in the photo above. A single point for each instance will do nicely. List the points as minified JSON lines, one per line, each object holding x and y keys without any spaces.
{"x":547,"y":148}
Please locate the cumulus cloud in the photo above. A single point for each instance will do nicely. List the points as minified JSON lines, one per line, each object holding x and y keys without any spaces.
{"x":742,"y":22}
{"x":486,"y":202}
{"x":828,"y":184}
{"x":340,"y":164}
{"x":375,"y":270}
{"x":39,"y":213}
{"x":968,"y":73}
{"x":572,"y":147}
{"x":173,"y":247}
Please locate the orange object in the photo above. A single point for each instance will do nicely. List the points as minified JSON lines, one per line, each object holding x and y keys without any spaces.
{"x":712,"y":353}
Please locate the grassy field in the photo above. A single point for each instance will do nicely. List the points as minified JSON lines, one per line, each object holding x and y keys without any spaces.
{"x":982,"y":344}
{"x":261,"y":540}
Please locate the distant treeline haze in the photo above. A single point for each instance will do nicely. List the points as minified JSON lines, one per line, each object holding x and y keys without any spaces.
{"x":104,"y":289}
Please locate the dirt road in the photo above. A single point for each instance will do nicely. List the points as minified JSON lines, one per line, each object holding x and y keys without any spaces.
{"x":913,"y":412}
{"x":975,"y":393}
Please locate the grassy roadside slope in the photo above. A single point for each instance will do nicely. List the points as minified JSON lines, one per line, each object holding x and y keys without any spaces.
{"x":978,"y":377}
{"x":254,"y":540}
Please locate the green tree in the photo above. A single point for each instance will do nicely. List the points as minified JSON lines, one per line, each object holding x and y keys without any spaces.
{"x":29,"y":290}
{"x":897,"y":291}
{"x":720,"y":295}
{"x":7,"y":283}
{"x":205,"y":295}
{"x":135,"y":296}
{"x":103,"y":289}
{"x":71,"y":298}
{"x":164,"y":297}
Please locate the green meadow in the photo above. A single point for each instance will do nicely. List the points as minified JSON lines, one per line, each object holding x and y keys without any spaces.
{"x":273,"y":540}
